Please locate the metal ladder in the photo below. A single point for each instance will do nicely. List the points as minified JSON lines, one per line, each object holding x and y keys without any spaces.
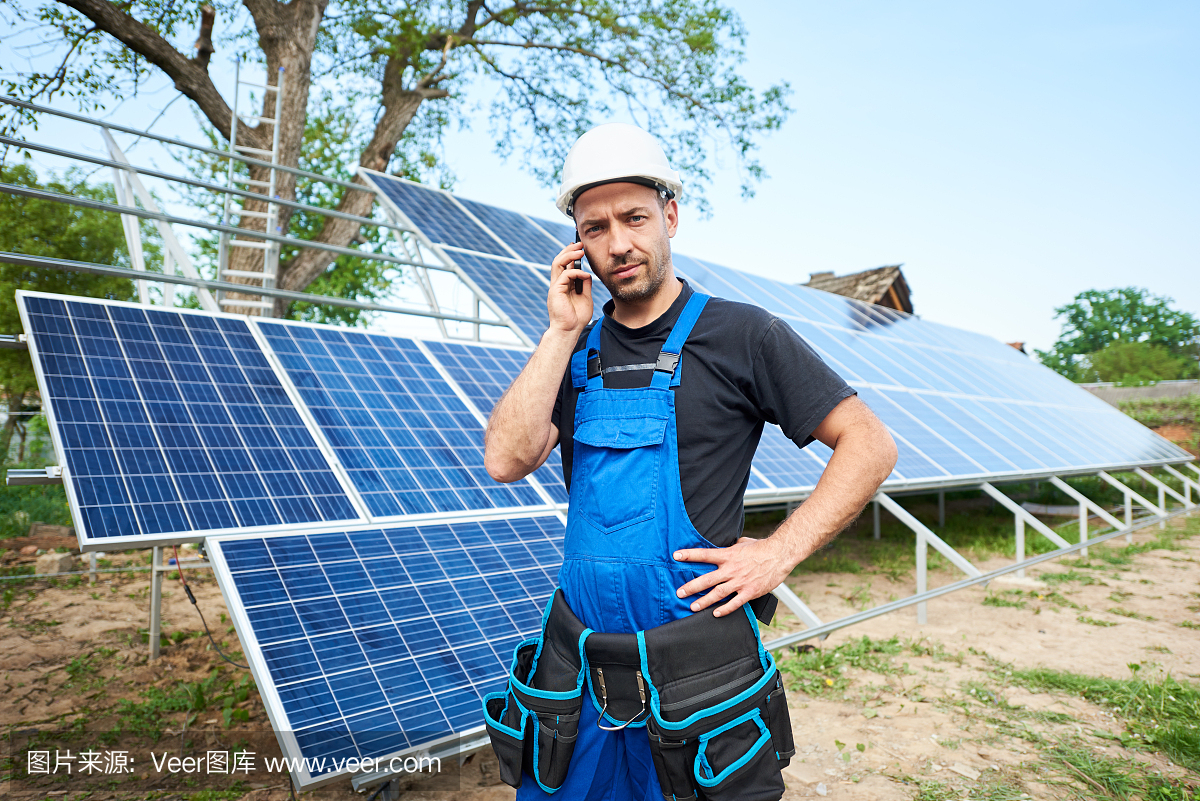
{"x":270,"y":250}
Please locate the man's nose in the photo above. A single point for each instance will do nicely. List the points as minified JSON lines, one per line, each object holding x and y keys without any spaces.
{"x":620,"y":243}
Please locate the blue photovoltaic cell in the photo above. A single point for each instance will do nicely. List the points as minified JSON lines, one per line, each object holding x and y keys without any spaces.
{"x":175,"y":424}
{"x":562,"y":232}
{"x":437,"y":215}
{"x":484,"y":374}
{"x":382,"y":640}
{"x":407,"y":441}
{"x":527,"y":240}
{"x":784,"y":463}
{"x":514,"y":287}
{"x":1030,"y":418}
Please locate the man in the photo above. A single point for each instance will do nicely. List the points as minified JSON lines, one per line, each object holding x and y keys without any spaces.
{"x":657,"y":478}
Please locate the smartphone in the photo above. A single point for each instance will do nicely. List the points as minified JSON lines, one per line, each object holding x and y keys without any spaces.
{"x":578,"y":265}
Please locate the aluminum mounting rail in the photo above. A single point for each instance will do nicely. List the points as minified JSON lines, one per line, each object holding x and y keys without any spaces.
{"x":12,"y":101}
{"x":206,"y":185}
{"x":286,"y":294}
{"x":55,"y":197}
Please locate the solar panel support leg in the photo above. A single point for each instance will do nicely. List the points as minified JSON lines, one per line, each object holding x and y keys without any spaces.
{"x":1019,"y":526}
{"x":875,"y":514}
{"x":1083,"y":527}
{"x":941,"y":509}
{"x":1128,"y":516}
{"x":156,"y":583}
{"x":922,"y":577}
{"x":793,"y":602}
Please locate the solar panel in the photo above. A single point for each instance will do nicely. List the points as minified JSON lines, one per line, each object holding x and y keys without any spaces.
{"x":514,"y":287}
{"x":527,"y":240}
{"x":960,"y":404}
{"x":374,"y":642}
{"x":484,"y":373}
{"x":437,"y":215}
{"x":408,"y":442}
{"x":782,"y":463}
{"x":172,"y":425}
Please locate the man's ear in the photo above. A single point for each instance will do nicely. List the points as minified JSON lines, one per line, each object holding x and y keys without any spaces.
{"x":671,"y":216}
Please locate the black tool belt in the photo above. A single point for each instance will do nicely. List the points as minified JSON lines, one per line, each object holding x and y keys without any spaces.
{"x":706,"y":691}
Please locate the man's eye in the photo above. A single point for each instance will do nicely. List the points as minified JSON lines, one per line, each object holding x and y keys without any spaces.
{"x":592,"y":230}
{"x":637,"y":218}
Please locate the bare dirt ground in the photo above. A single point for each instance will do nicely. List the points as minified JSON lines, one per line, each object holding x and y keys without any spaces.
{"x":915,"y":712}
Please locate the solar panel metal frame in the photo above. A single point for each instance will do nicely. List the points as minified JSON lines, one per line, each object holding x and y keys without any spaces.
{"x":306,"y":413}
{"x":88,"y":543}
{"x":403,"y":219}
{"x":261,"y":673}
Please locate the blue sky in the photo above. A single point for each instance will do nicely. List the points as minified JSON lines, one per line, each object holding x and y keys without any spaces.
{"x":1010,"y":155}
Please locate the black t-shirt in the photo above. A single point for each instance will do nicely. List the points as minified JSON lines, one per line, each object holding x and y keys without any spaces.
{"x":740,"y":366}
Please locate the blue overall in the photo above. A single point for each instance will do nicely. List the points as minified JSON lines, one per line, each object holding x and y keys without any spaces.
{"x":626,"y":520}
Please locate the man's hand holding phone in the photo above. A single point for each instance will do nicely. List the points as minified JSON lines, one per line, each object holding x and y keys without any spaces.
{"x":570,"y":311}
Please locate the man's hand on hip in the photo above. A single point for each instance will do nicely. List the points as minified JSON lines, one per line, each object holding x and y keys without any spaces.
{"x":746,"y":570}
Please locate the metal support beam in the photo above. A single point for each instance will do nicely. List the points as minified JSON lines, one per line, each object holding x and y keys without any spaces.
{"x":181,"y":257}
{"x":1188,"y":483}
{"x":17,"y":477}
{"x":1162,"y":489}
{"x":1083,"y":527}
{"x":1019,"y":526}
{"x":1020,"y":511}
{"x":937,"y":542}
{"x":875,"y":515}
{"x":286,"y":294}
{"x":1129,"y":493}
{"x":893,"y":606}
{"x":156,"y":582}
{"x":1096,"y":508}
{"x":925,"y":538}
{"x":793,"y":602}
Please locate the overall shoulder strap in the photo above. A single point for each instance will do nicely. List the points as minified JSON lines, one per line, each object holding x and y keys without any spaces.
{"x":666,"y":371}
{"x":585,"y":364}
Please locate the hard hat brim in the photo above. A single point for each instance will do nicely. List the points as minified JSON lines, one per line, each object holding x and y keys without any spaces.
{"x":629,"y":179}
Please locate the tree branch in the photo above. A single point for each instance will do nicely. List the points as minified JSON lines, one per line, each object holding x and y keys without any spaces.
{"x":204,"y":46}
{"x":190,"y":75}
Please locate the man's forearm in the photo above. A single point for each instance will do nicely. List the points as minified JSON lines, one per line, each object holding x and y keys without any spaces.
{"x":861,"y":461}
{"x":520,"y":425}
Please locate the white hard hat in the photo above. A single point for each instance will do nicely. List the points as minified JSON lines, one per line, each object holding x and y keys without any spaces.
{"x":614,"y":153}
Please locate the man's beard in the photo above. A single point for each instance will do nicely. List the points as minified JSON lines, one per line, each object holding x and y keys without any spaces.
{"x":646,"y":284}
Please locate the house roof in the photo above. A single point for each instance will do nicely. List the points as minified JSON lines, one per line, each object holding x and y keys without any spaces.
{"x":869,"y":285}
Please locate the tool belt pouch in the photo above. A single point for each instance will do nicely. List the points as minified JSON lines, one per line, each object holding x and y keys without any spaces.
{"x":720,"y":728}
{"x":534,"y":722}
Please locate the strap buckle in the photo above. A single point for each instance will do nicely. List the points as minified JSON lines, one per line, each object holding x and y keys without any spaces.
{"x":593,"y":365}
{"x":604,"y":701}
{"x":667,"y":362}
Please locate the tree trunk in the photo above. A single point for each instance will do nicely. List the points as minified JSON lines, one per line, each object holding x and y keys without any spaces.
{"x":287,"y":36}
{"x":400,"y":106}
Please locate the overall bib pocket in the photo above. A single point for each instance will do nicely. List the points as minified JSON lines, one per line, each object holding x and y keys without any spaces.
{"x":614,"y":443}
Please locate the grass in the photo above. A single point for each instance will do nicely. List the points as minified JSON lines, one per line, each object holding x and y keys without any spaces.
{"x":1160,"y":713}
{"x":147,"y":716}
{"x":1062,"y":578}
{"x":1091,"y":621}
{"x":817,"y":671}
{"x":1155,"y":412}
{"x":1113,"y":778}
{"x":1123,"y":612}
{"x":1002,"y":601}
